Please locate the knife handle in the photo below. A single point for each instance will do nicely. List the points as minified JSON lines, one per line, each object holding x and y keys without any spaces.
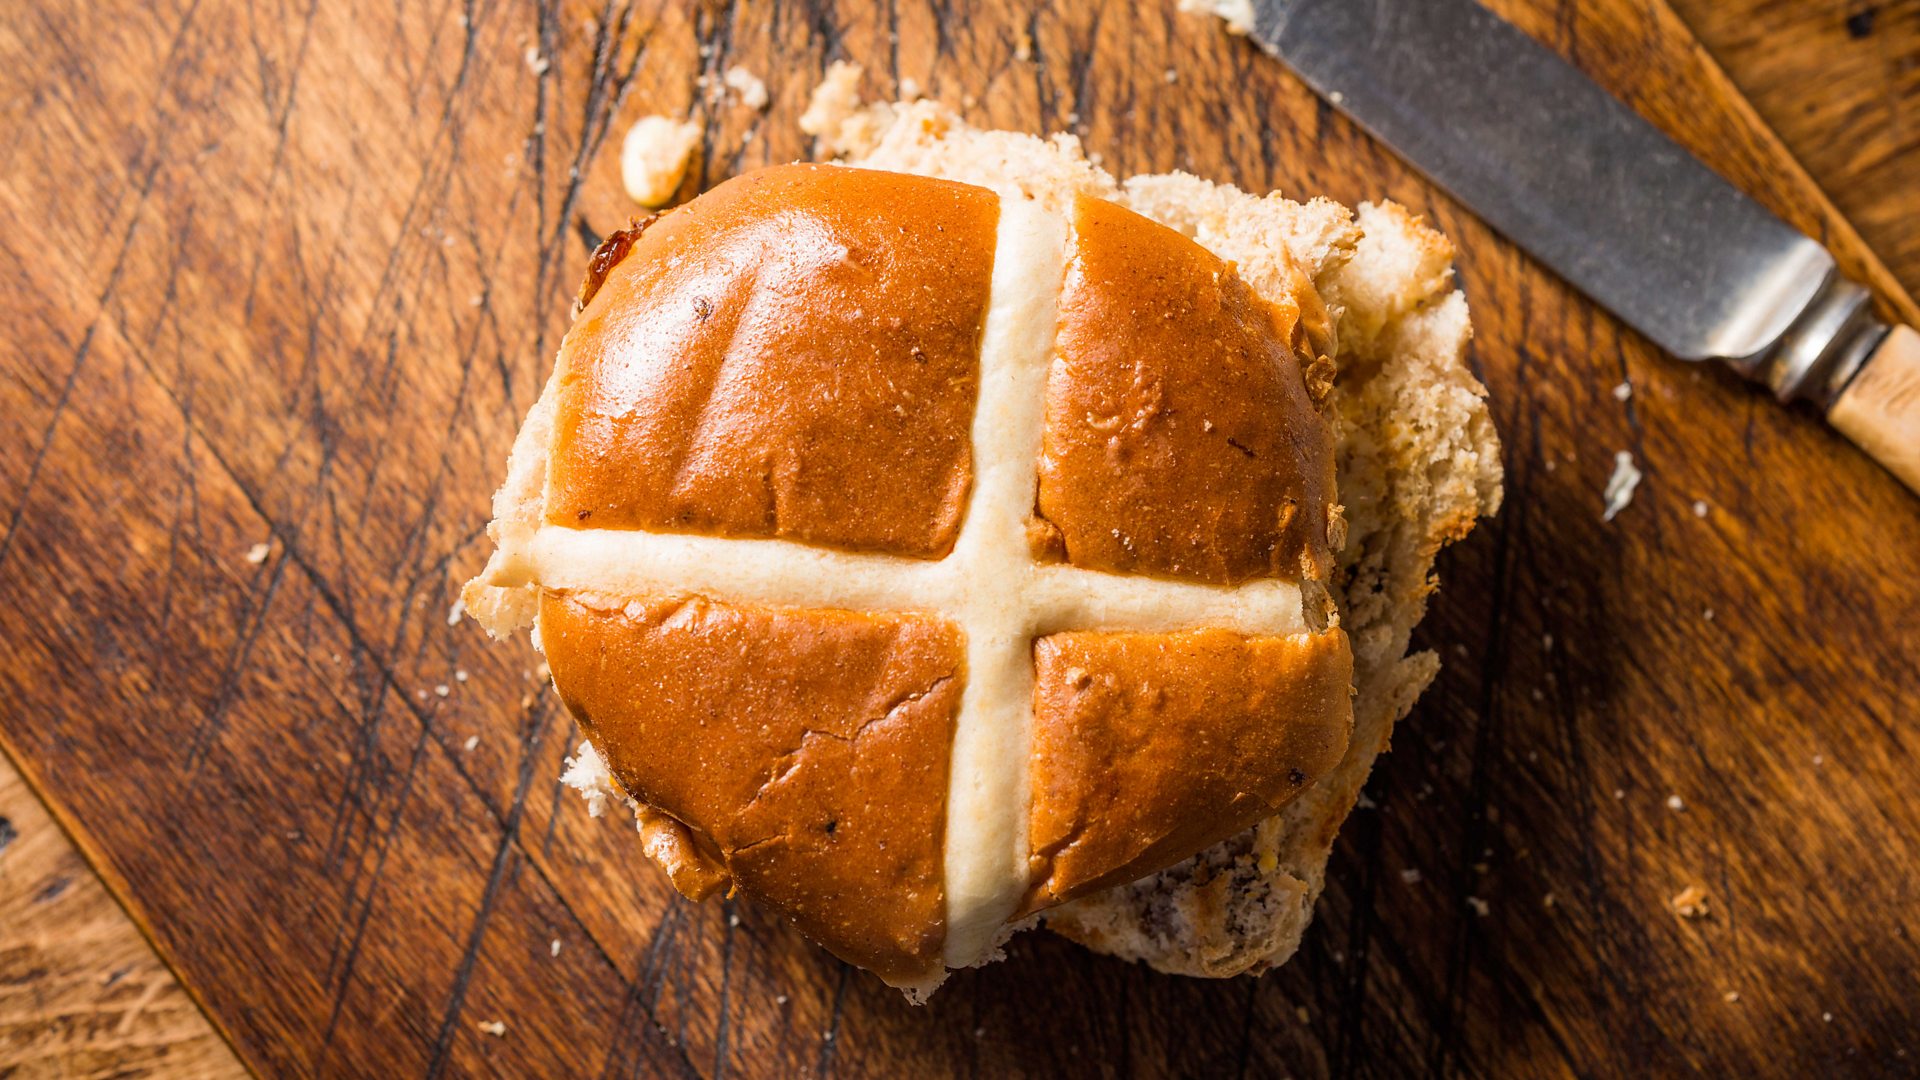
{"x":1880,"y":407}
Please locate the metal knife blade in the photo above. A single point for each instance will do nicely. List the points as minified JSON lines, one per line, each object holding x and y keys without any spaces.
{"x":1582,"y":183}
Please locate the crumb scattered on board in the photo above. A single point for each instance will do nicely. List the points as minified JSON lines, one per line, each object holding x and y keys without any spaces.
{"x":554,"y":948}
{"x":493,"y":1027}
{"x":1623,"y":391}
{"x":1238,"y":14}
{"x":1621,"y":484}
{"x":836,"y":115}
{"x":1700,"y":508}
{"x":1411,"y":876}
{"x":454,"y":613}
{"x":747,"y":87}
{"x":1691,"y":903}
{"x":257,"y":554}
{"x":1675,"y":802}
{"x":1480,"y":907}
{"x":654,"y":158}
{"x":472,"y":741}
{"x":535,"y":62}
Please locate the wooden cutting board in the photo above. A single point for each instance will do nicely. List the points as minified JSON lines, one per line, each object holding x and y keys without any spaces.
{"x":291,"y":275}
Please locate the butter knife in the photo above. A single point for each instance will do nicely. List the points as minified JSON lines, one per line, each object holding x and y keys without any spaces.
{"x":1611,"y":204}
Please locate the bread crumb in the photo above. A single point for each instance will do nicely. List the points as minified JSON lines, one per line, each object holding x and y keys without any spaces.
{"x":543,"y":673}
{"x":1301,"y":1012}
{"x":1172,"y":76}
{"x":587,"y":773}
{"x":1619,"y":793}
{"x":1623,"y":391}
{"x":1023,"y":45}
{"x":780,"y":999}
{"x":257,"y":554}
{"x":733,"y":919}
{"x":472,"y":741}
{"x":747,"y":87}
{"x":1700,"y":508}
{"x":837,"y":118}
{"x":654,"y":158}
{"x":535,"y":62}
{"x":1826,"y":1018}
{"x":1365,"y":802}
{"x":1819,"y":760}
{"x":909,"y":88}
{"x":442,"y":690}
{"x":553,"y":947}
{"x":1691,"y":903}
{"x":454,"y":613}
{"x":1732,"y":996}
{"x":460,"y":675}
{"x":1238,"y":14}
{"x":1480,"y":907}
{"x":493,"y":1027}
{"x":1410,"y":875}
{"x":1548,"y":900}
{"x":1675,"y":802}
{"x":1621,"y":484}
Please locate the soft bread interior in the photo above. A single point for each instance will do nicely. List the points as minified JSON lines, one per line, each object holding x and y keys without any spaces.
{"x":1419,"y":463}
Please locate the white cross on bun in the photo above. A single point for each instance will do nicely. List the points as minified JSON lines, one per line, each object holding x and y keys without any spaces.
{"x":926,"y":550}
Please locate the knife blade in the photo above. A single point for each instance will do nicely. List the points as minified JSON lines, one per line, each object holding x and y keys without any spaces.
{"x":1607,"y":201}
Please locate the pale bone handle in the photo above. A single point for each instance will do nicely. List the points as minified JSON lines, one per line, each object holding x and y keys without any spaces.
{"x":1880,"y":408}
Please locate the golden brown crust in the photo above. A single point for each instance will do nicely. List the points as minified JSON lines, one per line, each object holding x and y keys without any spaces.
{"x":671,"y":845}
{"x":793,"y":354}
{"x":1150,"y":747}
{"x":806,"y":752}
{"x":1181,"y":437}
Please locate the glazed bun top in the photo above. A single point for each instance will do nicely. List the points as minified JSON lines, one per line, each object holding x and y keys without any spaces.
{"x":916,"y":557}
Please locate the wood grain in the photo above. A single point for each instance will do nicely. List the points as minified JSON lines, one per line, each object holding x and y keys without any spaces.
{"x":292,"y":274}
{"x":81,"y":993}
{"x":1839,"y":80}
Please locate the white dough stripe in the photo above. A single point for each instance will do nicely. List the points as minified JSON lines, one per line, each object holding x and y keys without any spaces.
{"x":989,"y":585}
